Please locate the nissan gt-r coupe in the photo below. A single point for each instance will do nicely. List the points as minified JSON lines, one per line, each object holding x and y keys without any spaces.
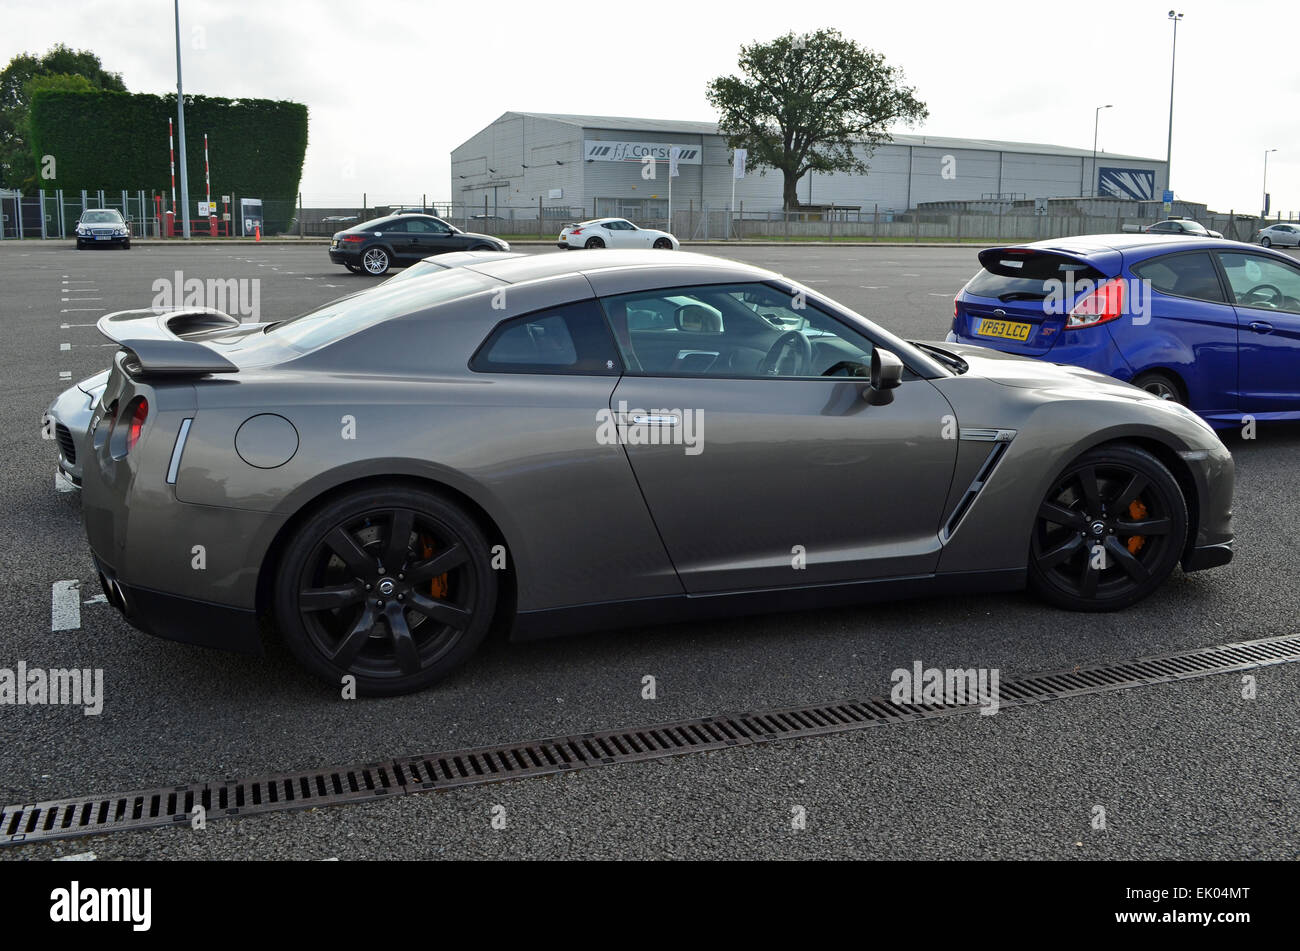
{"x":614,"y":233}
{"x":567,"y":442}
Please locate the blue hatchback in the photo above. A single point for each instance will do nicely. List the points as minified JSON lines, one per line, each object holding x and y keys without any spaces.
{"x":1212,"y":324}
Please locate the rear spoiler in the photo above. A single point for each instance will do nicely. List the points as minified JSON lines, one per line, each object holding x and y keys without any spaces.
{"x":157,"y":344}
{"x":1024,"y":261}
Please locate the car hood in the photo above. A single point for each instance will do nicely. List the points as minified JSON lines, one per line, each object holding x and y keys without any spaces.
{"x":475,"y":234}
{"x":1010,"y":369}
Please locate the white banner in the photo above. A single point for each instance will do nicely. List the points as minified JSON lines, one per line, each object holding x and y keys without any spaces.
{"x":674,"y":157}
{"x":738,"y":162}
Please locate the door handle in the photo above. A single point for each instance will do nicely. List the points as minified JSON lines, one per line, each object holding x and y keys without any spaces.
{"x":1261,"y":326}
{"x":641,"y":419}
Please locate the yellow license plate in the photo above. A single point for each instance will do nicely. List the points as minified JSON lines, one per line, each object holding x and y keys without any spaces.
{"x":1011,"y":329}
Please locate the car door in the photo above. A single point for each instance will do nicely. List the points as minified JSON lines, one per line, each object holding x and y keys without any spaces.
{"x":398,"y":238}
{"x":622,"y":234}
{"x":761,"y":473}
{"x":1266,"y":295}
{"x":1187,"y":325}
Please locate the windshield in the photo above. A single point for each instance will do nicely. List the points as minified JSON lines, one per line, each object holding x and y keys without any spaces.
{"x":348,"y":315}
{"x":107,"y":216}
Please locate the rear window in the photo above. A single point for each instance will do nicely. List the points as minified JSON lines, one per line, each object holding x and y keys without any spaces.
{"x":1008,"y":276}
{"x":343,"y":317}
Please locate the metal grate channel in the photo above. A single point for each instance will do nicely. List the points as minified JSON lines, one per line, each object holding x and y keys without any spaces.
{"x":174,"y":805}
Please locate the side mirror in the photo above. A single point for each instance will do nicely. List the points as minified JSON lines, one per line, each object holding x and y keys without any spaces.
{"x":886,"y":374}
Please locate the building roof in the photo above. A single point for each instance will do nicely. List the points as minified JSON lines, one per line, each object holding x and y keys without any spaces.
{"x":629,"y":124}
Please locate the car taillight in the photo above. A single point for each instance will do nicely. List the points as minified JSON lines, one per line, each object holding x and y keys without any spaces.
{"x":575,"y":231}
{"x":353,"y":238}
{"x":139,"y":413}
{"x":1104,"y":304}
{"x":954,"y":306}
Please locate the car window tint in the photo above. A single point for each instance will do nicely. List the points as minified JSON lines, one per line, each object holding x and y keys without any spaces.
{"x":394,"y":227}
{"x":571,"y":339}
{"x":729,"y":331}
{"x":1183,"y":275}
{"x":1262,"y":282}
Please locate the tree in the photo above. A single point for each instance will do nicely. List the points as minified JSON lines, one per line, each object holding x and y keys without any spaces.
{"x":804,"y":102}
{"x":17,"y":164}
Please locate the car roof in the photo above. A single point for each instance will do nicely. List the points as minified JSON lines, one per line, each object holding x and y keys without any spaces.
{"x":534,"y":267}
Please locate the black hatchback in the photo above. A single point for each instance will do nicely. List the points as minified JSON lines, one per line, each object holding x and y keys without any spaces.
{"x":373,"y":247}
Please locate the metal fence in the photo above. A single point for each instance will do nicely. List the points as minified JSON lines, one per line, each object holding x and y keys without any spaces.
{"x":54,"y":215}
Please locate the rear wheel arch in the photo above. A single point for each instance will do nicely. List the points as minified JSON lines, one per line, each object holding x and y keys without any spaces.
{"x":506,"y":588}
{"x":1173,"y":376}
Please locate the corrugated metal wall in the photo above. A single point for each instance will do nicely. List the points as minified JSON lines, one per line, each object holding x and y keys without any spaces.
{"x":899,"y":176}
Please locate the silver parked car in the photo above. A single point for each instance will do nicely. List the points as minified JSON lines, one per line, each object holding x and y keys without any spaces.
{"x":567,"y":442}
{"x":1282,"y":235}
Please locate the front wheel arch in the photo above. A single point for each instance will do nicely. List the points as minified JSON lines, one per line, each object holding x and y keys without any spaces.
{"x":507,"y":586}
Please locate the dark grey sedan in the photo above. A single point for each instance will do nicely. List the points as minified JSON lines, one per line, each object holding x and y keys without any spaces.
{"x":579,"y":441}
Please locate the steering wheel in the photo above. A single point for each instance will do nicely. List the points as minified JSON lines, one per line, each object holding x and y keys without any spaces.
{"x":791,"y":347}
{"x":1272,"y":300}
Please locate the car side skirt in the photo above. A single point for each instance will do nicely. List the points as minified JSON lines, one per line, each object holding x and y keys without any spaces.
{"x":558,"y":622}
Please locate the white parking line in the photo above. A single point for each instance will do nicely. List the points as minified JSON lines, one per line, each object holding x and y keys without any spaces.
{"x":65,"y":606}
{"x":74,"y":299}
{"x":65,"y":374}
{"x":65,"y":346}
{"x":69,"y":310}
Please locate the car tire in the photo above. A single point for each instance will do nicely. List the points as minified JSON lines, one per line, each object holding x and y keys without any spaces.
{"x":483,"y":247}
{"x":1162,"y":385}
{"x":663,"y":244}
{"x":126,"y":245}
{"x":376,"y":261}
{"x":328,"y":590}
{"x":355,"y":269}
{"x":594,"y":243}
{"x":1140,"y":527}
{"x":1266,"y":242}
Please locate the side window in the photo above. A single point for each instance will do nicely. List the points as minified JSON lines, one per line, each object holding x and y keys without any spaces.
{"x":393,"y":227}
{"x":732,"y":330}
{"x":1190,"y":274}
{"x":572,"y":339}
{"x":1262,"y":282}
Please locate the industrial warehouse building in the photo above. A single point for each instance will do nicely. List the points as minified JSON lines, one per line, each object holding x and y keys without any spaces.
{"x":591,"y":166}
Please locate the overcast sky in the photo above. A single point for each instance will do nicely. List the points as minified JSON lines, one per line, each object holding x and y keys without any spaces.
{"x":392,"y":87}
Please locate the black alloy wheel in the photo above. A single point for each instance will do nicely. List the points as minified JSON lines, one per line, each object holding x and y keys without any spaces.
{"x":393,"y":587}
{"x":1109,"y":531}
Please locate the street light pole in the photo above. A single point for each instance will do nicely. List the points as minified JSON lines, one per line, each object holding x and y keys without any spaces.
{"x":1096,"y":117}
{"x":1263,"y":213}
{"x":180,"y":127}
{"x":1169,"y":148}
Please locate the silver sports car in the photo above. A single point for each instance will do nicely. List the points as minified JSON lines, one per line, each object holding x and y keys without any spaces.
{"x":565,"y":442}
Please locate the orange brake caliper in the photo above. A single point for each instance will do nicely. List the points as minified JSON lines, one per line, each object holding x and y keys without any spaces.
{"x":1136,"y":511}
{"x":437,"y":587}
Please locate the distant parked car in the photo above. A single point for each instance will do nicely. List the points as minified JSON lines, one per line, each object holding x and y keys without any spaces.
{"x":614,"y":233}
{"x":103,"y":226}
{"x":398,"y":240}
{"x":1182,"y":226}
{"x":1282,"y":235}
{"x":1213,"y":326}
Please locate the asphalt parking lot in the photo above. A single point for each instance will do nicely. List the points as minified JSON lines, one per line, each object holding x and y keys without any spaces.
{"x":1184,"y":771}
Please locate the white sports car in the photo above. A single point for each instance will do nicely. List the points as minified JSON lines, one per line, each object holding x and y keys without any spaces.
{"x":614,"y":233}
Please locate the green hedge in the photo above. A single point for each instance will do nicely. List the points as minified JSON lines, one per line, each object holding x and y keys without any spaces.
{"x":115,"y":141}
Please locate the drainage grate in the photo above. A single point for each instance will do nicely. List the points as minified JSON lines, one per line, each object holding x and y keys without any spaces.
{"x":173,"y":805}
